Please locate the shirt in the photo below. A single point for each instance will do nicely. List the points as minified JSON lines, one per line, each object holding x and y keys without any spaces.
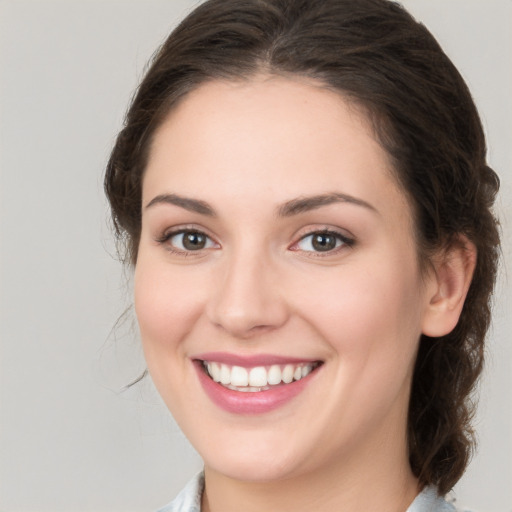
{"x":189,"y":499}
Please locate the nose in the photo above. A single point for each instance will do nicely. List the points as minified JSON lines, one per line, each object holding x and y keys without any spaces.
{"x":247,"y":299}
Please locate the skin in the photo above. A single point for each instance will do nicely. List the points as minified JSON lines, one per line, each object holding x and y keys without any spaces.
{"x":246,"y":149}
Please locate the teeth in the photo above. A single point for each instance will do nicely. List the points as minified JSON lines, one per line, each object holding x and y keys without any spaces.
{"x":225,"y":374}
{"x":214,"y":371}
{"x":288,"y":373}
{"x":274,"y":375}
{"x":239,"y":376}
{"x":257,"y":378}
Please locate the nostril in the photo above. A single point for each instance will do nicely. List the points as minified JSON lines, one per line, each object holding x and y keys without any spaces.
{"x":244,"y":330}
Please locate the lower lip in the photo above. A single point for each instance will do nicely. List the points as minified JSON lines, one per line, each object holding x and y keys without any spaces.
{"x":256,"y":402}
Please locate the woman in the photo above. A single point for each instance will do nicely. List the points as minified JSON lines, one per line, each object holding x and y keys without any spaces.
{"x":303,"y":191}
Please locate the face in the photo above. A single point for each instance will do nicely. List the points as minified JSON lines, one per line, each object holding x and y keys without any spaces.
{"x":277,"y":256}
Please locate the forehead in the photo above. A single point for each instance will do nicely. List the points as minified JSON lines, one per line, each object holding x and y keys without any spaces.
{"x":272,"y":136}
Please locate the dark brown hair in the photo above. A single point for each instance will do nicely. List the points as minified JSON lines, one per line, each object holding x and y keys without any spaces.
{"x":376,"y":55}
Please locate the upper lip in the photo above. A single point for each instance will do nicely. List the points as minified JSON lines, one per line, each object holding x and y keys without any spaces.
{"x":248,"y":361}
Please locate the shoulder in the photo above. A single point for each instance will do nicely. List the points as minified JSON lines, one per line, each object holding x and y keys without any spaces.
{"x":429,"y":501}
{"x":189,"y":499}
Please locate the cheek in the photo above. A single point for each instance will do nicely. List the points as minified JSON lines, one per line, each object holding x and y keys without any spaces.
{"x":166,"y":304}
{"x":371,"y":312}
{"x":371,"y":320}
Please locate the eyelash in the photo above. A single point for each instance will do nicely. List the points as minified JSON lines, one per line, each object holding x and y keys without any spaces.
{"x":167,"y":236}
{"x":343,"y":240}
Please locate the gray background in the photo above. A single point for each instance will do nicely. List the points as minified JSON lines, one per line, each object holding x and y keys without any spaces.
{"x":69,"y":441}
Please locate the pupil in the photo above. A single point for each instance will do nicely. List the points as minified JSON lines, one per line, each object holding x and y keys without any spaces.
{"x":194,"y":241}
{"x":324,"y":242}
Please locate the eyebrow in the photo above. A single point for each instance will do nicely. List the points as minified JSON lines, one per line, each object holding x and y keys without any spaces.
{"x":306,"y":204}
{"x":192,"y":205}
{"x":288,"y":209}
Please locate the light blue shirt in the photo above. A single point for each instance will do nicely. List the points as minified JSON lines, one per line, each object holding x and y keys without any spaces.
{"x":189,"y":499}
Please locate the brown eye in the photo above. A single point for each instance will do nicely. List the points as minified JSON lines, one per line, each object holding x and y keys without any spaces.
{"x":323,"y":241}
{"x":194,"y":241}
{"x":190,"y":241}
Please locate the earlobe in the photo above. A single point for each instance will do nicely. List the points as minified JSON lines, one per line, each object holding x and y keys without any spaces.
{"x":450,"y":280}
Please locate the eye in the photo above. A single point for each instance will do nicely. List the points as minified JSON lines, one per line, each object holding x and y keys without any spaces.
{"x":189,"y":240}
{"x":322,"y":241}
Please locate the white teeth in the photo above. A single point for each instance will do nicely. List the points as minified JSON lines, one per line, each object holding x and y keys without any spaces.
{"x":214,"y":371}
{"x":225,"y":374}
{"x":239,"y":376}
{"x":274,"y":375}
{"x":288,"y":373}
{"x":257,"y":378}
{"x":247,"y":389}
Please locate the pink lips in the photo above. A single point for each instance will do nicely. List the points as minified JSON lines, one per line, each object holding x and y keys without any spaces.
{"x":258,"y":402}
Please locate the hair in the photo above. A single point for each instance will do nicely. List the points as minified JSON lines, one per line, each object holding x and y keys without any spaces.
{"x":377,"y":56}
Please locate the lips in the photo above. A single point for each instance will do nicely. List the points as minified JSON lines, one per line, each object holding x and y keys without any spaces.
{"x":253,"y":385}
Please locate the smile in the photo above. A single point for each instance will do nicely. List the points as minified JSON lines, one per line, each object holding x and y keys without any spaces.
{"x":257,"y":378}
{"x":255,"y":384}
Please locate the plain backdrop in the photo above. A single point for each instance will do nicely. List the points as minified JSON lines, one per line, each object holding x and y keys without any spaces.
{"x":69,"y":439}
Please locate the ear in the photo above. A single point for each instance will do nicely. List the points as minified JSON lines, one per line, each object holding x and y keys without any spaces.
{"x":448,"y":287}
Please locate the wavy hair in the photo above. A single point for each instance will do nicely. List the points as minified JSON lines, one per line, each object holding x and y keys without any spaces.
{"x":375,"y":54}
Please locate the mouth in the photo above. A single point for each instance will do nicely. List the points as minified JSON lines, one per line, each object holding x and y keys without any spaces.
{"x":257,"y":378}
{"x":254,"y":384}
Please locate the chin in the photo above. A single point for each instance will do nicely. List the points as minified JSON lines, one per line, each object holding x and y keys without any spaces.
{"x":250,"y":465}
{"x":256,"y":472}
